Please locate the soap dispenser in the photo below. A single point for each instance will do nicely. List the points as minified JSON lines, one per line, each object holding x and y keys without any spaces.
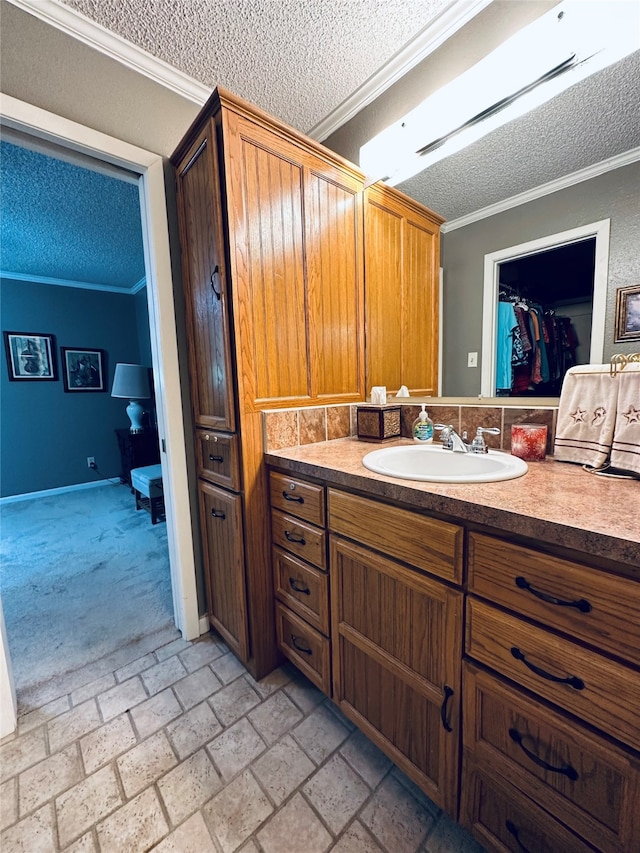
{"x":423,"y":427}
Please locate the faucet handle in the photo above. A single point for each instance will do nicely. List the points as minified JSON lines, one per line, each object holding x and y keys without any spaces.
{"x":446,"y":431}
{"x":478,"y":445}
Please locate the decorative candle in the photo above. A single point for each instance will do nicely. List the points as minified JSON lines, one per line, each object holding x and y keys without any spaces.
{"x":529,"y":441}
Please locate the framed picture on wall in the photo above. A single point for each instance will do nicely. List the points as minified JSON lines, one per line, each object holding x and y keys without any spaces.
{"x":30,"y":356}
{"x":628,"y":314}
{"x":83,"y":369}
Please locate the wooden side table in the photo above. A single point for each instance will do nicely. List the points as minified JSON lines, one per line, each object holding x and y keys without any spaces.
{"x":137,"y":450}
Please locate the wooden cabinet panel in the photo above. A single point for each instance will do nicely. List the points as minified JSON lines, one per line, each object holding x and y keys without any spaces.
{"x":301,"y":539}
{"x":396,"y":662}
{"x":402,"y":292}
{"x":218,"y":458}
{"x":505,"y":821}
{"x":427,"y":543}
{"x":598,"y":690}
{"x":297,"y":497}
{"x":585,"y":603}
{"x":585,"y":781}
{"x":223,"y":552}
{"x":305,"y":647}
{"x":205,"y":277}
{"x":302,"y":588}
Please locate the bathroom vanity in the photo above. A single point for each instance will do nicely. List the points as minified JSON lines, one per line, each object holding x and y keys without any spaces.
{"x":484,"y":636}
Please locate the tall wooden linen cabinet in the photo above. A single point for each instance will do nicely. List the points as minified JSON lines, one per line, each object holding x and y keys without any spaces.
{"x":272,"y":229}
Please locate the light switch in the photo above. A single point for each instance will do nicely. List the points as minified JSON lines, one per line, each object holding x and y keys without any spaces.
{"x":472,"y":359}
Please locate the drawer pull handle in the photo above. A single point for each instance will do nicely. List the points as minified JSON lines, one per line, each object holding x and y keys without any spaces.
{"x":568,"y":771}
{"x":217,"y":514}
{"x":571,"y":680}
{"x":293,"y":583}
{"x":299,"y":540}
{"x":295,"y":498}
{"x":580,"y":604}
{"x":512,"y":829}
{"x":295,"y":641}
{"x":448,"y":693}
{"x":216,"y":272}
{"x":216,"y":458}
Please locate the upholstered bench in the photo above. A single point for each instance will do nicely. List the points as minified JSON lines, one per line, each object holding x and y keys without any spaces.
{"x":147,"y":485}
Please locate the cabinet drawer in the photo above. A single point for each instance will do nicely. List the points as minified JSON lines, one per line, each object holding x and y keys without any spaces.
{"x":598,"y":690}
{"x":218,"y":458}
{"x":505,"y":820}
{"x":301,"y":539}
{"x":304,"y":500}
{"x":585,"y":603}
{"x":583,"y":780}
{"x":305,"y":647}
{"x":302,"y":588}
{"x":432,"y":545}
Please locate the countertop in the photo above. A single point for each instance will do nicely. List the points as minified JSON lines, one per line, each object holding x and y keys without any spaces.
{"x":554,"y":502}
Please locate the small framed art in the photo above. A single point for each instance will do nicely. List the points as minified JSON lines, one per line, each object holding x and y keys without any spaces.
{"x":627,"y":314}
{"x":30,"y":356}
{"x":83,"y":369}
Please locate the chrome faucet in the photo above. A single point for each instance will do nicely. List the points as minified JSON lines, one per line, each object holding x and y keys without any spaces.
{"x":452,"y":441}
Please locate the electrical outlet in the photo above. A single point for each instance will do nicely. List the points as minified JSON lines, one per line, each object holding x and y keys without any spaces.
{"x":472,"y":359}
{"x":91,"y":461}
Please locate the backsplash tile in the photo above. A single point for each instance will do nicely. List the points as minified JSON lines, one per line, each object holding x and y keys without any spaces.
{"x":529,"y":416}
{"x":313,"y":425}
{"x":338,"y":422}
{"x":472,"y":417}
{"x":280,"y":429}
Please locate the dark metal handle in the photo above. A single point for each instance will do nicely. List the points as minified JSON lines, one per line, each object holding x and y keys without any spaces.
{"x":568,"y":771}
{"x":448,"y":693}
{"x":293,"y":584}
{"x":580,"y":604}
{"x":571,"y":680}
{"x":216,"y":272}
{"x":289,"y":497}
{"x":297,"y":539}
{"x":513,"y":830}
{"x":216,"y":458}
{"x":216,"y":514}
{"x":296,"y":644}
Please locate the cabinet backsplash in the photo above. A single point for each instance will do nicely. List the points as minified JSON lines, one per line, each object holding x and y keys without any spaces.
{"x":308,"y":425}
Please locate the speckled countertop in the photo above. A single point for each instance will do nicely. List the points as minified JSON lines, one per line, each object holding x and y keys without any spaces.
{"x":554,"y":502}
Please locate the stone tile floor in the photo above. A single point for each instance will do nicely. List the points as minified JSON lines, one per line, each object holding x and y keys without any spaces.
{"x":182,"y":751}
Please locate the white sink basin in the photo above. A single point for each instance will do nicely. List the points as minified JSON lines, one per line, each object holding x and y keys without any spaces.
{"x":431,"y":463}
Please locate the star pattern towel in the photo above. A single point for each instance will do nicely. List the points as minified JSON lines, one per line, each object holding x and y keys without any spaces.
{"x":625,"y":449}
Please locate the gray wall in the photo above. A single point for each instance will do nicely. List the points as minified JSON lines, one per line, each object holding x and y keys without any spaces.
{"x":45,"y":433}
{"x":613,"y":196}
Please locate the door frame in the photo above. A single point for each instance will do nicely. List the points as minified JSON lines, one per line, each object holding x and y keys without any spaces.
{"x":41,"y":124}
{"x":599,"y":230}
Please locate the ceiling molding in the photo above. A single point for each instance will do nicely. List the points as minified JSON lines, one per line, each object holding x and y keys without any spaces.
{"x":617,"y":162}
{"x":449,"y":21}
{"x":64,"y":282}
{"x":114,"y":46}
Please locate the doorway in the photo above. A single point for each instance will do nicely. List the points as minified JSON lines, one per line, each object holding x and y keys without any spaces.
{"x":565,"y":272}
{"x":26,"y":118}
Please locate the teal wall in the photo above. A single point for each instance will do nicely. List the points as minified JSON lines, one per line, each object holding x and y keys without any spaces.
{"x":45,"y":433}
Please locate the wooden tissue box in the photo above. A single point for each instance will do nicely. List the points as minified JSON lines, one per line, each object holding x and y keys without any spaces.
{"x":378,"y":423}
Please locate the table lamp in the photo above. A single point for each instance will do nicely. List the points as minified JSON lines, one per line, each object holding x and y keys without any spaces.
{"x":131,"y":382}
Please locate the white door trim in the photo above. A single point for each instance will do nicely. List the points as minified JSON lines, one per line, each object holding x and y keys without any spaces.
{"x":164,"y":346}
{"x":492,"y":261}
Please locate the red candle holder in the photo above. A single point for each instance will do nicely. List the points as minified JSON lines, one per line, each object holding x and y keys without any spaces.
{"x":529,"y":442}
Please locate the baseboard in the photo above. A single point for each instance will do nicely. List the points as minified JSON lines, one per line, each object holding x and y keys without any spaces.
{"x":203,"y":624}
{"x":46,"y":493}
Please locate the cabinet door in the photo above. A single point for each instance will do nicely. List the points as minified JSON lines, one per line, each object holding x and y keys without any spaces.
{"x":396,"y":663}
{"x":221,"y":519}
{"x":204,"y":277}
{"x":402,"y":259}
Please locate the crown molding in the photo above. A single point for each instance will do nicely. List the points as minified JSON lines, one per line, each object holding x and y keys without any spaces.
{"x":449,"y":21}
{"x":114,"y":46}
{"x":64,"y":282}
{"x":617,"y":162}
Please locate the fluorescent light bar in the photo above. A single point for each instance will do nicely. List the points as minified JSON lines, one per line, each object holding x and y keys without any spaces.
{"x":566,"y":45}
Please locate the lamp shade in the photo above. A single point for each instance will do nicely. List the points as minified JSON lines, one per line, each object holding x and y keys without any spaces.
{"x":131,"y":382}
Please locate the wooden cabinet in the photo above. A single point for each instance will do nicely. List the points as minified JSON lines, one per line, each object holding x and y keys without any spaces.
{"x":402,"y":267}
{"x":396,"y":651}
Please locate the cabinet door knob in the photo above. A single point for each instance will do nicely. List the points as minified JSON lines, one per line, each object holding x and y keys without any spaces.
{"x":298,"y":645}
{"x":217,"y":514}
{"x":299,"y":540}
{"x":216,"y":458}
{"x":296,"y":587}
{"x":289,"y":497}
{"x":448,"y":693}
{"x":216,"y":272}
{"x":580,"y":604}
{"x":571,"y":680}
{"x":568,"y":771}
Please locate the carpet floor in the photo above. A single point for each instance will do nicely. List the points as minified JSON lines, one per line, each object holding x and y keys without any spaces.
{"x":81,"y":575}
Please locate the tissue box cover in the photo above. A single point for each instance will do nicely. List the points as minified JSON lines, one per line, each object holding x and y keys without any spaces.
{"x":377,"y":423}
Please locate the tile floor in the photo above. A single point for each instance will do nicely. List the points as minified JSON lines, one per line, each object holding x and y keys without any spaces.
{"x":182,"y":751}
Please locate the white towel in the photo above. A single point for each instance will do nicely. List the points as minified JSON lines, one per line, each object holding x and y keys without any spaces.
{"x":586,"y":415}
{"x":625,"y":449}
